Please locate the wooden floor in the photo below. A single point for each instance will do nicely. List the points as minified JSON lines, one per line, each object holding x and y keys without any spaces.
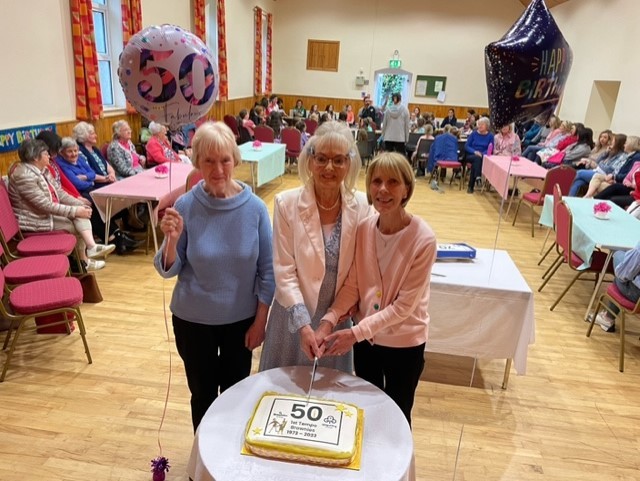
{"x":572,"y":417}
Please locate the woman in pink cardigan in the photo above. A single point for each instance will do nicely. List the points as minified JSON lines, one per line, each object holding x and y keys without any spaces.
{"x":388,"y":285}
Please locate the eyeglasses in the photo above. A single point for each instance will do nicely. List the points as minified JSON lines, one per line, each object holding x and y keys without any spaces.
{"x":337,"y":161}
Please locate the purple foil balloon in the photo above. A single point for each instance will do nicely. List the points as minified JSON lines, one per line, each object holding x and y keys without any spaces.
{"x":527,"y":69}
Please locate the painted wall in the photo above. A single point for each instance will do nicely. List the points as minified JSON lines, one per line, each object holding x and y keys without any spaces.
{"x":603,"y":46}
{"x":175,"y":12}
{"x":432,"y":37}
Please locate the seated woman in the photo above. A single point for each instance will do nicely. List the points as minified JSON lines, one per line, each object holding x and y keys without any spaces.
{"x":275,"y":122}
{"x":614,"y":173}
{"x":602,"y":163}
{"x":388,"y":286}
{"x":122,"y":153}
{"x":330,"y":113}
{"x":532,"y":132}
{"x":427,"y":135}
{"x":351,"y":116}
{"x":42,"y":206}
{"x":87,"y":140}
{"x":246,"y":122}
{"x":159,"y":149}
{"x":476,"y":148}
{"x":53,"y":144}
{"x":314,"y":110}
{"x":506,"y":142}
{"x":555,"y":130}
{"x":557,"y":143}
{"x":574,"y":154}
{"x":420,"y":126}
{"x":591,"y":161}
{"x":299,"y":111}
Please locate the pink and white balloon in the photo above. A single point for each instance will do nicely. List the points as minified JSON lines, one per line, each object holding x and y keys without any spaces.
{"x":168,"y":75}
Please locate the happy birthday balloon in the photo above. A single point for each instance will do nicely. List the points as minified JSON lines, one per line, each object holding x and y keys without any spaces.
{"x":527,"y":69}
{"x":168,"y":75}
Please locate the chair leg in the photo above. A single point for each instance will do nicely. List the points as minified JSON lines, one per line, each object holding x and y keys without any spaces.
{"x":551,"y":274}
{"x":546,"y":253}
{"x":546,"y":238}
{"x":11,"y":349}
{"x":12,"y":326}
{"x":594,"y":314}
{"x":83,"y":333}
{"x":622,"y":328}
{"x":515,"y":216}
{"x":532,"y":215}
{"x":575,"y":278}
{"x":555,"y":261}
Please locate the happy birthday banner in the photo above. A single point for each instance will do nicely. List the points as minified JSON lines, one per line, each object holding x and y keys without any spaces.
{"x":10,"y":139}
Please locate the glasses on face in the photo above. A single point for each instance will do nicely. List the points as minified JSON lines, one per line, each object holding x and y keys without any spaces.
{"x":337,"y":161}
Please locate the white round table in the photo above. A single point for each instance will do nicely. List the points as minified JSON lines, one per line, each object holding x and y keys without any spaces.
{"x":387,"y":450}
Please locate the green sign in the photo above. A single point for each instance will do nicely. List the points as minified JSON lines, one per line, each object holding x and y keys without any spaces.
{"x":395,"y":63}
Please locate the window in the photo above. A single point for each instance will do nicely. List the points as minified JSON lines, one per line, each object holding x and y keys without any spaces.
{"x":211,"y":21}
{"x":323,"y":55}
{"x":107,"y":21}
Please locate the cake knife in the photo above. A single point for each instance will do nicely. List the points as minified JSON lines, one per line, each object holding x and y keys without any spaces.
{"x":313,"y":376}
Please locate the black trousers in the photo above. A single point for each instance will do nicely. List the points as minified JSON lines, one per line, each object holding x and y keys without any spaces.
{"x":214,"y":357}
{"x":476,"y":169}
{"x":395,"y":147}
{"x":395,"y":370}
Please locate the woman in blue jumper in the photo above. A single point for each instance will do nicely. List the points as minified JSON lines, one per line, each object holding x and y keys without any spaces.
{"x":476,"y":148}
{"x":218,"y":243}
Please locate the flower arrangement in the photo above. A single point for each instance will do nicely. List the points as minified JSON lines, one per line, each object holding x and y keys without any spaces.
{"x":161,"y":169}
{"x":601,"y":210}
{"x":159,"y":466}
{"x":257,"y":145}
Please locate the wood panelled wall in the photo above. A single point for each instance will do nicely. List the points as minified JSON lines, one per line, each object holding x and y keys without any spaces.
{"x":439,"y":110}
{"x":233,"y":107}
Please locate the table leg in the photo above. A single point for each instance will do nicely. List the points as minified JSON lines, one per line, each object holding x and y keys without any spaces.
{"x":513,"y":193}
{"x":253,"y":176}
{"x":154,"y":224}
{"x":598,"y":284}
{"x":107,"y":222}
{"x":507,"y":370}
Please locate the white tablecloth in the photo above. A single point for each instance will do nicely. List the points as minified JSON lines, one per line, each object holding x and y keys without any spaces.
{"x":482,"y":309}
{"x":387,"y":452}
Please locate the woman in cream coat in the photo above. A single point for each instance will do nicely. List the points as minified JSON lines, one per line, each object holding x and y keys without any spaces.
{"x":313,"y":241}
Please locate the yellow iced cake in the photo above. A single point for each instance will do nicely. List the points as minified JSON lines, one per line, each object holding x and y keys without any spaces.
{"x":285,"y":426}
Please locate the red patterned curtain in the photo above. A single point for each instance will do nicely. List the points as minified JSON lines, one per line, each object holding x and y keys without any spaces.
{"x":85,"y":61}
{"x":199,"y":24}
{"x":131,"y":19}
{"x":131,"y":24}
{"x":223,"y":92}
{"x":257,"y":60}
{"x":268,"y":84}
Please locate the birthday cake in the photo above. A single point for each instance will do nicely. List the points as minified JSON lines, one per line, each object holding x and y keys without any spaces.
{"x":287,"y":427}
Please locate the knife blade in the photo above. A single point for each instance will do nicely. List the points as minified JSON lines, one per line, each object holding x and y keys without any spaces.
{"x":313,"y":376}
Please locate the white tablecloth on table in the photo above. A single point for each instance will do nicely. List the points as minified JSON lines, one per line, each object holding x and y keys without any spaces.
{"x":481,"y":308}
{"x":387,"y":452}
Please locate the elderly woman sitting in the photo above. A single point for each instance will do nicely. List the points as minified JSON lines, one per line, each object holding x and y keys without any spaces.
{"x":159,"y":149}
{"x":122,"y":153}
{"x":87,"y":139}
{"x":42,"y":206}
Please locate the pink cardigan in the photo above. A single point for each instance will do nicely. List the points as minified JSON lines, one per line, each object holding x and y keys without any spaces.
{"x":392,"y":306}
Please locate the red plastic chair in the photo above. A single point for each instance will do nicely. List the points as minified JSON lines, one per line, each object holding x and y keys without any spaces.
{"x":312,"y":125}
{"x":562,"y":175}
{"x":264,"y":133}
{"x":291,"y":138}
{"x":41,"y":298}
{"x":37,"y":268}
{"x":193,"y":178}
{"x":564,"y":228}
{"x":624,"y":305}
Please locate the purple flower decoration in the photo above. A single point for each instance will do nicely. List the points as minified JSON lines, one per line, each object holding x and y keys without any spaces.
{"x":160,"y":465}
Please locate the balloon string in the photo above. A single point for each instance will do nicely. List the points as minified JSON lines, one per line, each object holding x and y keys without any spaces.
{"x":166,"y":328}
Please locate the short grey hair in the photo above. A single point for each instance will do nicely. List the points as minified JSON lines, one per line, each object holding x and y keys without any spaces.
{"x":214,"y":137}
{"x":30,"y":150}
{"x":485,"y":121}
{"x":331,"y":134}
{"x":155,"y":128}
{"x":67,"y":143}
{"x":117,"y":125}
{"x":81,"y":131}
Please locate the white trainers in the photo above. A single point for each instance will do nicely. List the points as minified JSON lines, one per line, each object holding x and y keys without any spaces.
{"x":94,"y":265}
{"x":100,"y":250}
{"x":605,"y":322}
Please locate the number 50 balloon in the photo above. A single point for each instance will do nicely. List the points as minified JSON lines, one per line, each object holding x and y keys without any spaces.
{"x":168,"y":75}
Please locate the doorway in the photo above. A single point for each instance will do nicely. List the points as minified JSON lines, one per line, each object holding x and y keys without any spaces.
{"x":602,"y":104}
{"x":389,"y":81}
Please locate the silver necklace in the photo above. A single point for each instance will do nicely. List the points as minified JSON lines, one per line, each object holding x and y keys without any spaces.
{"x":328,"y":208}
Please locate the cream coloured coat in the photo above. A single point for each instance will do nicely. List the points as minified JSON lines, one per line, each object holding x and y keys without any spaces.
{"x":298,"y":245}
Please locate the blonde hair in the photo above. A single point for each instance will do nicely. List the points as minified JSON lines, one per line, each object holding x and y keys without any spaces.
{"x":214,"y":137}
{"x":395,"y":165}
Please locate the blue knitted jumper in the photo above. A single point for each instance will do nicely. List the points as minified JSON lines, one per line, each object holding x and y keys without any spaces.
{"x":224,"y":260}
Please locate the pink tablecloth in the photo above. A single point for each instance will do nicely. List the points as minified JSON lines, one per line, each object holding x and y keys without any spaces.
{"x":143,"y":187}
{"x":497,"y":169}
